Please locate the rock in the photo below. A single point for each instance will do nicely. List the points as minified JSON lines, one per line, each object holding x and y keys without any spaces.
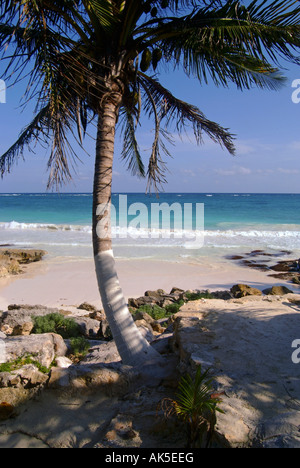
{"x":145,"y":329}
{"x":22,"y":256}
{"x":295,"y":279}
{"x":154,"y":324}
{"x":89,"y":328}
{"x":140,"y":301}
{"x":165,"y":302}
{"x":155,"y":294}
{"x":43,"y":348}
{"x":88,"y":307}
{"x":18,"y":319}
{"x":63,"y":362}
{"x":3,"y":271}
{"x":101,"y":351}
{"x":13,"y":325}
{"x":189,"y":334}
{"x":100,"y":377}
{"x":242,"y":290}
{"x":140,"y":315}
{"x":28,"y":376}
{"x":98,"y":315}
{"x":14,"y":267}
{"x":31,"y":377}
{"x":6,"y":410}
{"x":11,"y":259}
{"x":224,"y":295}
{"x":277,"y":291}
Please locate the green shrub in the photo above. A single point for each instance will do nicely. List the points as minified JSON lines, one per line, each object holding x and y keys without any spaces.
{"x":155,"y":311}
{"x":22,"y":361}
{"x":196,"y":405}
{"x":172,"y":309}
{"x":190,"y":296}
{"x":79,"y":346}
{"x":56,"y":323}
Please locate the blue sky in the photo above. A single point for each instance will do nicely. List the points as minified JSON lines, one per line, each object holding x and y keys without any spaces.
{"x":266,"y":125}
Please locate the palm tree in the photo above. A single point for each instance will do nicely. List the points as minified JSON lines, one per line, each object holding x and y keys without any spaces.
{"x":99,"y":60}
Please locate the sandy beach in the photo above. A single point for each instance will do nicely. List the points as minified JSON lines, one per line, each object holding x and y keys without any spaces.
{"x":64,"y":282}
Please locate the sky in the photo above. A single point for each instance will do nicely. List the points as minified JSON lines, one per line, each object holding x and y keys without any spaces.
{"x":266,"y":124}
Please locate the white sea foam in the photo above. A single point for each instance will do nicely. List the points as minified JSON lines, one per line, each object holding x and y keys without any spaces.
{"x":63,"y":239}
{"x":153,"y":233}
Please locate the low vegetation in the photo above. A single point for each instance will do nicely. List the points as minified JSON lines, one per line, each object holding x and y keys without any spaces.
{"x":79,"y":347}
{"x":56,"y":323}
{"x":157,"y":312}
{"x":23,"y":361}
{"x":196,"y":405}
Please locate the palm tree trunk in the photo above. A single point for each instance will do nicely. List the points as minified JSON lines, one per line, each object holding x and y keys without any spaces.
{"x":132,"y":346}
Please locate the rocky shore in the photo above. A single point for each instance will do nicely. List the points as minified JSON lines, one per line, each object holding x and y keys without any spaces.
{"x":52,"y":396}
{"x":13,"y":261}
{"x":288,"y":270}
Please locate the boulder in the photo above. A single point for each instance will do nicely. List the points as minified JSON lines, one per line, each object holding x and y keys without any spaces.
{"x":88,"y":307}
{"x":6,"y":410}
{"x":63,"y":362}
{"x":175,"y":290}
{"x":27,"y":376}
{"x":22,"y":256}
{"x":143,"y":300}
{"x":3,"y":271}
{"x":277,"y":291}
{"x":242,"y":290}
{"x":188,"y":338}
{"x":154,"y":324}
{"x":18,"y":319}
{"x":145,"y":329}
{"x":43,"y":348}
{"x":89,"y":328}
{"x":12,"y":259}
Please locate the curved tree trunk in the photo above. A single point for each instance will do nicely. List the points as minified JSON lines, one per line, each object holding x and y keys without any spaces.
{"x":132,"y":346}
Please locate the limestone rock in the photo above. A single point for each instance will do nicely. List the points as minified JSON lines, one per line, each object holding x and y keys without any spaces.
{"x":277,"y":291}
{"x":189,"y":333}
{"x":242,"y":290}
{"x":22,"y":256}
{"x":18,"y":319}
{"x":63,"y":362}
{"x":27,"y":376}
{"x":6,"y":410}
{"x":89,"y":328}
{"x":44,"y":348}
{"x":88,"y":307}
{"x":11,"y":259}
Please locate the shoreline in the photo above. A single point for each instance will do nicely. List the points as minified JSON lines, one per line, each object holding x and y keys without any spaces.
{"x":69,"y":282}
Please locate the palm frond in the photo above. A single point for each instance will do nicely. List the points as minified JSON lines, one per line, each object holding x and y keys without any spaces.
{"x":33,"y":132}
{"x":183,"y":114}
{"x":220,"y":40}
{"x":131,"y":152}
{"x":168,"y":110}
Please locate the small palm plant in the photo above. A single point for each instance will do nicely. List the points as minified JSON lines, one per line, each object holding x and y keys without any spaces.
{"x":196,"y":406}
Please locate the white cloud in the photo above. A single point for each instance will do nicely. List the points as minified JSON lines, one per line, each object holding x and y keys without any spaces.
{"x":235,"y":171}
{"x":288,"y":171}
{"x":188,"y":172}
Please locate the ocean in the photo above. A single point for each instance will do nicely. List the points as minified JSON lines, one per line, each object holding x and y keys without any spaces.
{"x":232,"y":224}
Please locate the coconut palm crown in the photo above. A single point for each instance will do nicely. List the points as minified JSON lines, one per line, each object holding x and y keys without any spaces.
{"x":99,"y":61}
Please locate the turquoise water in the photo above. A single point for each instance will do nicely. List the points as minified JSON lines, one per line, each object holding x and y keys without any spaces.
{"x":61,"y":223}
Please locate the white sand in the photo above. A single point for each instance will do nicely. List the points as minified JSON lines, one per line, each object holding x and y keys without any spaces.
{"x":56,"y":283}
